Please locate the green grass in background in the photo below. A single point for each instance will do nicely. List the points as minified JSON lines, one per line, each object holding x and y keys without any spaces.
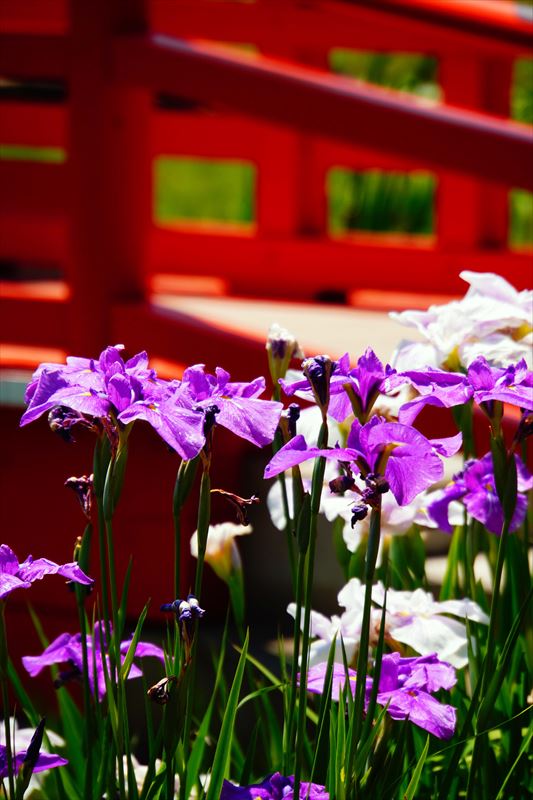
{"x":380,"y":201}
{"x":406,"y":72}
{"x":194,"y":189}
{"x":49,"y":155}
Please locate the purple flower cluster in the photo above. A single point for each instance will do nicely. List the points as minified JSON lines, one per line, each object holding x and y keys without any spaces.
{"x":482,"y":383}
{"x":67,"y":649}
{"x":274,"y":787}
{"x":406,"y":687}
{"x":118,"y":392}
{"x":14,"y":575}
{"x":359,"y":386}
{"x":406,"y":459}
{"x":475,"y":486}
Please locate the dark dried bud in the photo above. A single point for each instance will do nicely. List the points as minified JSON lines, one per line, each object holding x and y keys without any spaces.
{"x":341,"y":484}
{"x":293,"y":415}
{"x":525,"y":427}
{"x":318,"y":371}
{"x":240,"y":504}
{"x":359,"y":512}
{"x":83,"y":488}
{"x":210,"y":419}
{"x":66,"y":676}
{"x":61,"y":421}
{"x":377,"y":483}
{"x":160,"y":691}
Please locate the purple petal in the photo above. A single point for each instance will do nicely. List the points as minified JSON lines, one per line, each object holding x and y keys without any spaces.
{"x":143,"y":650}
{"x":31,"y":570}
{"x":422,"y":710}
{"x":251,"y":419}
{"x":409,"y":474}
{"x":180,"y":428}
{"x":58,"y":652}
{"x":8,"y":583}
{"x":316,"y":676}
{"x":9,"y":563}
{"x":448,"y":446}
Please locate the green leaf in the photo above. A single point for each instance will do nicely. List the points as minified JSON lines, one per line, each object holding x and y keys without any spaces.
{"x":302,"y":524}
{"x":126,"y":666}
{"x":222,"y":753}
{"x":415,"y":779}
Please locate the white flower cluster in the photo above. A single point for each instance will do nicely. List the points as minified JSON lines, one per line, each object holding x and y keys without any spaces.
{"x":493,"y":320}
{"x":414,"y":618}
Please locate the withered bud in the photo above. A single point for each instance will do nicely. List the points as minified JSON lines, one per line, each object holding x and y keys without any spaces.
{"x":241,"y":505}
{"x":83,"y":488}
{"x":160,"y":691}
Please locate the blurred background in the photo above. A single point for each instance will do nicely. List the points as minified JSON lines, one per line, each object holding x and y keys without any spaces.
{"x":177,"y":175}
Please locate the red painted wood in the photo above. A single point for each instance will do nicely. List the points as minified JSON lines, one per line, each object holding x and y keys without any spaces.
{"x":361,"y":25}
{"x":34,"y":239}
{"x":299,"y":267}
{"x":466,"y":141}
{"x":33,"y":16}
{"x":33,"y":56}
{"x":28,"y":188}
{"x":33,"y":321}
{"x":33,"y":124}
{"x":110,"y":191}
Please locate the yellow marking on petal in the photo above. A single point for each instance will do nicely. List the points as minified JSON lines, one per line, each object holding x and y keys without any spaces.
{"x":522,"y":331}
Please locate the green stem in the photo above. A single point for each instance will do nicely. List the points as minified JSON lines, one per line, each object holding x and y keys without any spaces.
{"x":88,"y":711}
{"x":316,"y":492}
{"x":362,"y":659}
{"x":204,"y":513}
{"x":5,"y":699}
{"x":182,"y":489}
{"x":488,"y":662}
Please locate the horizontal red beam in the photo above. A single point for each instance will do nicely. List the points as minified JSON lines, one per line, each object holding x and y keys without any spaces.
{"x":304,"y":267}
{"x":33,"y":320}
{"x":469,"y":142}
{"x":32,"y":188}
{"x":36,"y":239}
{"x":33,"y":56}
{"x":320,"y":25}
{"x":33,"y":124}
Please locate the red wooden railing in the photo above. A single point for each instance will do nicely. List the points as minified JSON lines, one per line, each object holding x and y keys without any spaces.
{"x":91,"y":217}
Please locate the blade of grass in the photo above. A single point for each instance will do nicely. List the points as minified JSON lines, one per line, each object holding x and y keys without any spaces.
{"x":223,"y":749}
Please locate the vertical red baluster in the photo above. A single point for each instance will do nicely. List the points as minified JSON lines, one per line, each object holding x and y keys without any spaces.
{"x":110,"y":174}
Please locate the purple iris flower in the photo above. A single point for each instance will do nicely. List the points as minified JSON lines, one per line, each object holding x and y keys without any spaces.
{"x":483,"y":384}
{"x":110,"y":388}
{"x":274,"y":787}
{"x":95,"y":387}
{"x":363,"y":382}
{"x":512,"y":384}
{"x":402,"y":455}
{"x":405,"y":687}
{"x":14,"y":575}
{"x":67,"y":649}
{"x":239,"y":407}
{"x":44,"y":761}
{"x":475,"y":486}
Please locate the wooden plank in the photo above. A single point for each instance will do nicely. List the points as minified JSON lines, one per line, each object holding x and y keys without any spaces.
{"x":33,"y":321}
{"x":304,"y":267}
{"x":468,"y":142}
{"x":33,"y":56}
{"x":33,"y":124}
{"x":356,"y":25}
{"x":32,"y":188}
